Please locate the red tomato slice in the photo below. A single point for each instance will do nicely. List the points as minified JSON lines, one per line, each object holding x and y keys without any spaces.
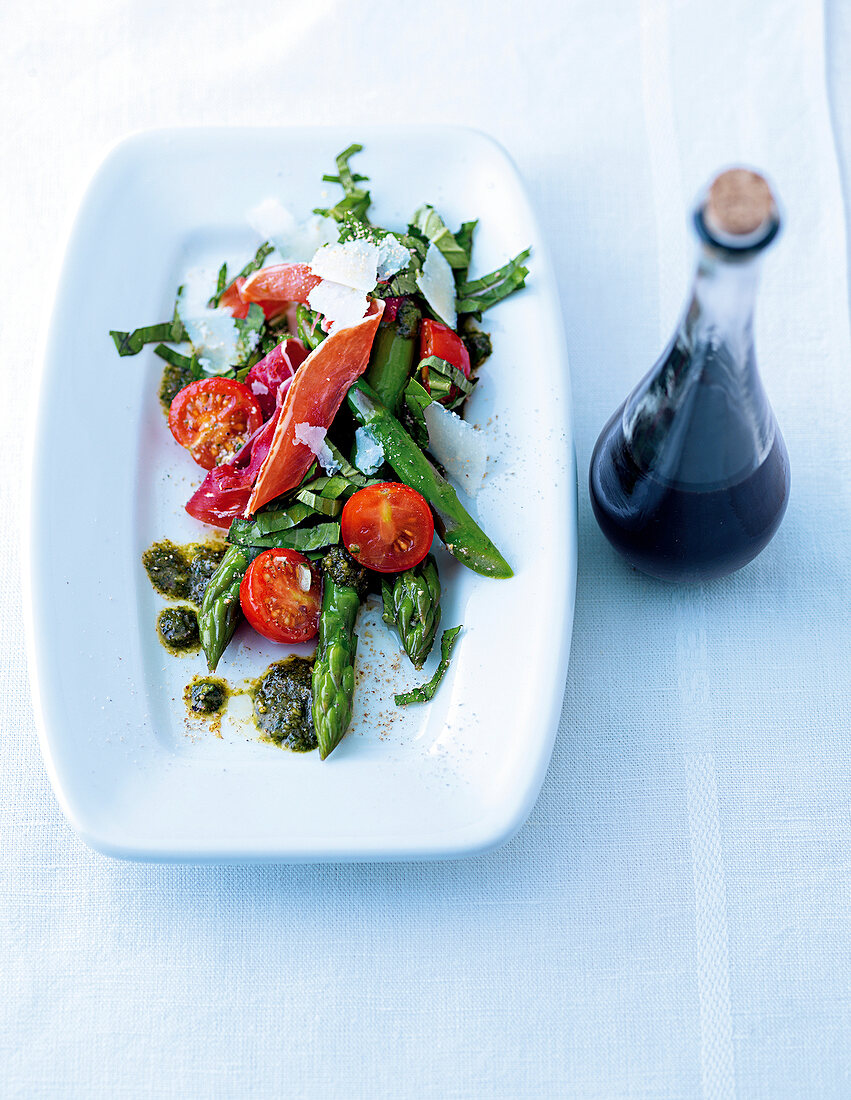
{"x":387,"y":527}
{"x":279,"y":283}
{"x":224,"y":492}
{"x":281,"y":596}
{"x":440,"y":340}
{"x":314,"y":396}
{"x":213,"y":418}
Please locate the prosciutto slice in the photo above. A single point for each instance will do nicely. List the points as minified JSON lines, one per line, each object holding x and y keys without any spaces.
{"x":313,"y":398}
{"x":223,"y":494}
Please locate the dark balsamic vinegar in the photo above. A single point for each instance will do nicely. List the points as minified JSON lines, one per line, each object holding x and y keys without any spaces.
{"x":679,"y":534}
{"x":689,"y":480}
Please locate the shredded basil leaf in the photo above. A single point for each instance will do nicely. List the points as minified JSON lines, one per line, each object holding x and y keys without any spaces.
{"x":183,"y":362}
{"x":259,"y":259}
{"x":417,"y":398}
{"x":221,"y":285}
{"x":302,"y":538}
{"x":131,"y":343}
{"x":356,"y":200}
{"x":253,"y":265}
{"x":323,"y":493}
{"x":426,"y":692}
{"x":346,"y":469}
{"x":464,"y":237}
{"x":481,"y":294}
{"x":247,"y":531}
{"x":403,"y":285}
{"x":443,"y":375}
{"x":430,"y":223}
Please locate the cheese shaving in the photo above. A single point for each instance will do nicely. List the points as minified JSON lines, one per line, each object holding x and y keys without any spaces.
{"x":213,"y":334}
{"x":352,"y":263}
{"x":437,"y":284}
{"x":341,"y":306}
{"x":459,"y":447}
{"x":392,"y":257}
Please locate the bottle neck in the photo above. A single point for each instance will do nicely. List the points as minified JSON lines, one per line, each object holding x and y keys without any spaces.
{"x":721,"y":307}
{"x":700,"y":419}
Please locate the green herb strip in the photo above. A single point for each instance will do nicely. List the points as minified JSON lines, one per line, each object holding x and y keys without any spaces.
{"x":430,"y":223}
{"x":303,"y":539}
{"x":183,"y":362}
{"x":442,"y":376}
{"x":246,"y":532}
{"x":481,"y":294}
{"x":417,"y":398}
{"x":356,"y":200}
{"x":346,"y":469}
{"x":131,"y":343}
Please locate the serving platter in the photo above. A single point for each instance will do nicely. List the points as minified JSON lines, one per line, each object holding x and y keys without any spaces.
{"x":137,"y":776}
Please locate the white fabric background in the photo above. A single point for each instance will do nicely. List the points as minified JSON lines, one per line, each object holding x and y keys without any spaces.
{"x":674,"y":921}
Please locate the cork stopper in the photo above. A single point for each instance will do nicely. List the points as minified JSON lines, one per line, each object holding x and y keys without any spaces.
{"x":739,"y":203}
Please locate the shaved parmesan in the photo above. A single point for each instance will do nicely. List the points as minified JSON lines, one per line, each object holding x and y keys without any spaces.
{"x":311,"y":436}
{"x":392,"y":257}
{"x":437,"y":284}
{"x":352,"y":263}
{"x":294,"y":240}
{"x":369,"y":454}
{"x":213,"y":334}
{"x":341,"y":306}
{"x":459,"y":447}
{"x":314,"y":437}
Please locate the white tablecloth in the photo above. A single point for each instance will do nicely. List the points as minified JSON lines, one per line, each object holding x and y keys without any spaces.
{"x":674,"y":920}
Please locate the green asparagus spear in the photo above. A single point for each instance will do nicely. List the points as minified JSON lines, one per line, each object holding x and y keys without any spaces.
{"x":220,"y":608}
{"x":412,"y":605}
{"x":334,"y":663}
{"x":461,"y":535}
{"x":426,"y":691}
{"x":393,"y":355}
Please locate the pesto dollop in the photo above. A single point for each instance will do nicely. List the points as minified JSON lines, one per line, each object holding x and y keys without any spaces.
{"x":178,"y":629}
{"x":282,"y":710}
{"x":203,"y":562}
{"x":181,"y":572}
{"x":173,"y":380}
{"x":208,"y":696}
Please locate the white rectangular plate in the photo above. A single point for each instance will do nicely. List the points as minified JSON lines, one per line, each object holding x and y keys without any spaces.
{"x":134,"y":774}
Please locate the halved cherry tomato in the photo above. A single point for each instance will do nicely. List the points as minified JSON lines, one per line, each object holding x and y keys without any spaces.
{"x":281,"y":595}
{"x":212,"y":418}
{"x":440,"y":340}
{"x":387,"y":527}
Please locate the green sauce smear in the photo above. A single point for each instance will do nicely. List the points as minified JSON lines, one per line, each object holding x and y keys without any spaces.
{"x":173,"y":381}
{"x":182,"y":572}
{"x":178,"y":629}
{"x":282,"y":704}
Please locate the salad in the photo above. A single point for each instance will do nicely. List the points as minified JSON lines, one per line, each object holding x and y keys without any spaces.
{"x":322,"y":392}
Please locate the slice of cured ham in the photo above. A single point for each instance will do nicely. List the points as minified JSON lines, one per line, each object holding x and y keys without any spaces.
{"x":313,"y":397}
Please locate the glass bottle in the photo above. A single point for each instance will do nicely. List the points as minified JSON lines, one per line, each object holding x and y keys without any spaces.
{"x":689,"y":479}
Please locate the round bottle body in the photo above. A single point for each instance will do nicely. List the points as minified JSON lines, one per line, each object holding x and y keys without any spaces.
{"x":685,"y":533}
